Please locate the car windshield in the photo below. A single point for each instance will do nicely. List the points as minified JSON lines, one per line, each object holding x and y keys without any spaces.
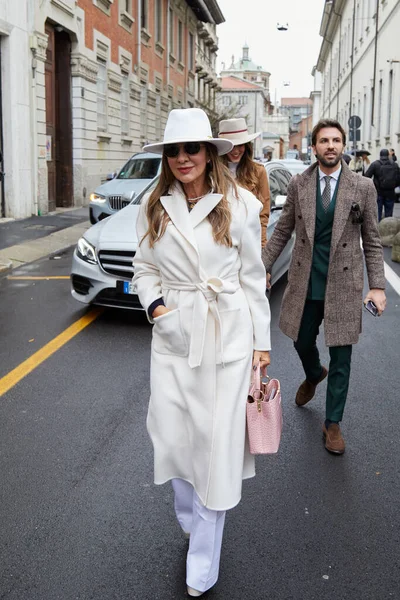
{"x":140,"y":168}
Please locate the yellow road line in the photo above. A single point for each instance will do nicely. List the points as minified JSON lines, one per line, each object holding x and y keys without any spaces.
{"x":38,"y":278}
{"x":26,"y":367}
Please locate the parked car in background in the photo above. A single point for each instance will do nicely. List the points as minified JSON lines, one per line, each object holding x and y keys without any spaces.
{"x":135,"y":176}
{"x":293,"y":154}
{"x":102,"y":262}
{"x":294,"y":166}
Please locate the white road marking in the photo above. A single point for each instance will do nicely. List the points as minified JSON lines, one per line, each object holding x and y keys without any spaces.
{"x":392,"y":278}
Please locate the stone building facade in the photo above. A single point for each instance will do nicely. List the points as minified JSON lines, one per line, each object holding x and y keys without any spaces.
{"x":359,"y":63}
{"x":100,"y":78}
{"x":241,"y":98}
{"x":17,"y":172}
{"x":245,"y":93}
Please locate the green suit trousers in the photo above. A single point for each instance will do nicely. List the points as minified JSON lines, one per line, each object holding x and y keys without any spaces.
{"x":340,"y":360}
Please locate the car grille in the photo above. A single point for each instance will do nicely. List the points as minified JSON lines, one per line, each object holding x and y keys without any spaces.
{"x":117,"y":262}
{"x":111,"y":297}
{"x":117,"y":202}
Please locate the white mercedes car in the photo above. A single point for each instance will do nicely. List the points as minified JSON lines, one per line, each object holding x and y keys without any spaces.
{"x":102,"y":261}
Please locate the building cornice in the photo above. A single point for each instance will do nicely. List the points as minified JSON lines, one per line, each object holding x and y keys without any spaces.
{"x":81,"y":66}
{"x":207,"y":11}
{"x":330,"y":22}
{"x":114,"y":81}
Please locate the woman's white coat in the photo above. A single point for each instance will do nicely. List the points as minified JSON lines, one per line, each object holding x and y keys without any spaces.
{"x":201,"y":351}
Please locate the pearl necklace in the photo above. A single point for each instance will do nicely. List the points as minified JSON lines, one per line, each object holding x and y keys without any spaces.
{"x":191,"y":202}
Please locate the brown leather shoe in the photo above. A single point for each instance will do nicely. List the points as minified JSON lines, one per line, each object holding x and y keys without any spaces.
{"x":334,"y":441}
{"x":306,"y":391}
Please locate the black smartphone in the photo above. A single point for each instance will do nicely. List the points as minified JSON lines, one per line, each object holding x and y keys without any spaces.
{"x":371,"y":308}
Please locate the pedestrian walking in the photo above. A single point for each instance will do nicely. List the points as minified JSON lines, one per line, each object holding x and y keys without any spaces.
{"x":199,"y":273}
{"x":248,"y":174}
{"x":386,"y":175}
{"x":366,"y":163}
{"x":356,"y":164}
{"x":329,"y":208}
{"x":392,"y":154}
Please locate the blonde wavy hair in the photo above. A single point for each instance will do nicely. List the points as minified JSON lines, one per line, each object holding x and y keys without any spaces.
{"x":218,"y":178}
{"x":246,"y":174}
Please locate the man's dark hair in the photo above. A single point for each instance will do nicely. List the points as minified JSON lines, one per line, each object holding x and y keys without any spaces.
{"x":327,"y":123}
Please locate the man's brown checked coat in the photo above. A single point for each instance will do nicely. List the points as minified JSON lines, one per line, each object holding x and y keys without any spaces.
{"x":344,"y":289}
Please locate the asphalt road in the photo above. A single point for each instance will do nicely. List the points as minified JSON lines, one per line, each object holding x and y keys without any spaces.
{"x":81,"y":519}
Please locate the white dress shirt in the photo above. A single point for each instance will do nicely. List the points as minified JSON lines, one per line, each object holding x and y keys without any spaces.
{"x":334,"y":179}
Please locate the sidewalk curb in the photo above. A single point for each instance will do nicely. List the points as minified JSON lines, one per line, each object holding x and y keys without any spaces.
{"x":20,"y":254}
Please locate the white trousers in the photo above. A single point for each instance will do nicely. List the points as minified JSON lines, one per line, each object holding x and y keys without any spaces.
{"x":206,"y":528}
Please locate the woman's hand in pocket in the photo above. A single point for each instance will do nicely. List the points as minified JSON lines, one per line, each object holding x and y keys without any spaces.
{"x":160,"y":310}
{"x":262,"y":357}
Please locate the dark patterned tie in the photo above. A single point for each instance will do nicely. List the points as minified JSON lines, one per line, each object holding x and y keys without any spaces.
{"x":326,"y":194}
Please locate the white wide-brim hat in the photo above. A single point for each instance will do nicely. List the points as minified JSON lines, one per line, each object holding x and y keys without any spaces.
{"x":236,"y":131}
{"x":188,"y":125}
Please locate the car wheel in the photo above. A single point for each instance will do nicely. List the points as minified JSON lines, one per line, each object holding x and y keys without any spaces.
{"x":91,"y":217}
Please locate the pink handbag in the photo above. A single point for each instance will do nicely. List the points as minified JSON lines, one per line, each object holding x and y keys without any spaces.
{"x":264,"y":415}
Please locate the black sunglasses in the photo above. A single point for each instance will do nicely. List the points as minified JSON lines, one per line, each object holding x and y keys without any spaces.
{"x":191,"y":148}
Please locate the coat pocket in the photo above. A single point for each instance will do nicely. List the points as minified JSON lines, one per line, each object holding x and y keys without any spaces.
{"x":237,"y":335}
{"x":168,"y":336}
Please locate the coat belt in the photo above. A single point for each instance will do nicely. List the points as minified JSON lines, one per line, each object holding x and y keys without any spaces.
{"x":207,"y":292}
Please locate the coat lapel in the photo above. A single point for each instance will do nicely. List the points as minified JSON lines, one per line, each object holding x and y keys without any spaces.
{"x":177,"y":210}
{"x":345,"y":196}
{"x":185,"y":222}
{"x":203,"y":208}
{"x":307,"y":200}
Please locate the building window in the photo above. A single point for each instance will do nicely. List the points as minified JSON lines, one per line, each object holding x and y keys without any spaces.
{"x":158,"y":21}
{"x":104,"y":5}
{"x":180,"y":41}
{"x":227,"y":100}
{"x":143,"y":112}
{"x":158,"y":117}
{"x":390,"y":99}
{"x":371,"y":121}
{"x":379,"y":127}
{"x":144,"y":14}
{"x":243,"y":100}
{"x":171,"y":31}
{"x":364,"y":123}
{"x":125,"y":106}
{"x":101,"y":95}
{"x":125,"y":18}
{"x":191,"y":52}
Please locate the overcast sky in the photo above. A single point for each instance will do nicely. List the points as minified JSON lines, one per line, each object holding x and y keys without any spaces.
{"x":288,"y":55}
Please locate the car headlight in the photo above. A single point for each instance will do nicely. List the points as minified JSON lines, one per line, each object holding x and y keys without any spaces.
{"x":86,"y":251}
{"x":97,"y":198}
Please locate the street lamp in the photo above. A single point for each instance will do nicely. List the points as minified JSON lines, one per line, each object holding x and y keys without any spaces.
{"x":282,"y":27}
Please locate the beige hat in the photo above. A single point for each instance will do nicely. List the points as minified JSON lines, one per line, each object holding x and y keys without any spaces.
{"x":236,"y":131}
{"x":188,"y":125}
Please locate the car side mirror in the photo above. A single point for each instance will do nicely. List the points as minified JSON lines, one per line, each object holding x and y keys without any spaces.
{"x":280,"y":201}
{"x":110,"y":176}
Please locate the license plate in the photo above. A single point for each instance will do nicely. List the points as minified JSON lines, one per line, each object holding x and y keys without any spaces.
{"x":126,"y":287}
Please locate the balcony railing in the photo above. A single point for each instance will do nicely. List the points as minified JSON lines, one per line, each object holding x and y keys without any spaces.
{"x":203,"y":63}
